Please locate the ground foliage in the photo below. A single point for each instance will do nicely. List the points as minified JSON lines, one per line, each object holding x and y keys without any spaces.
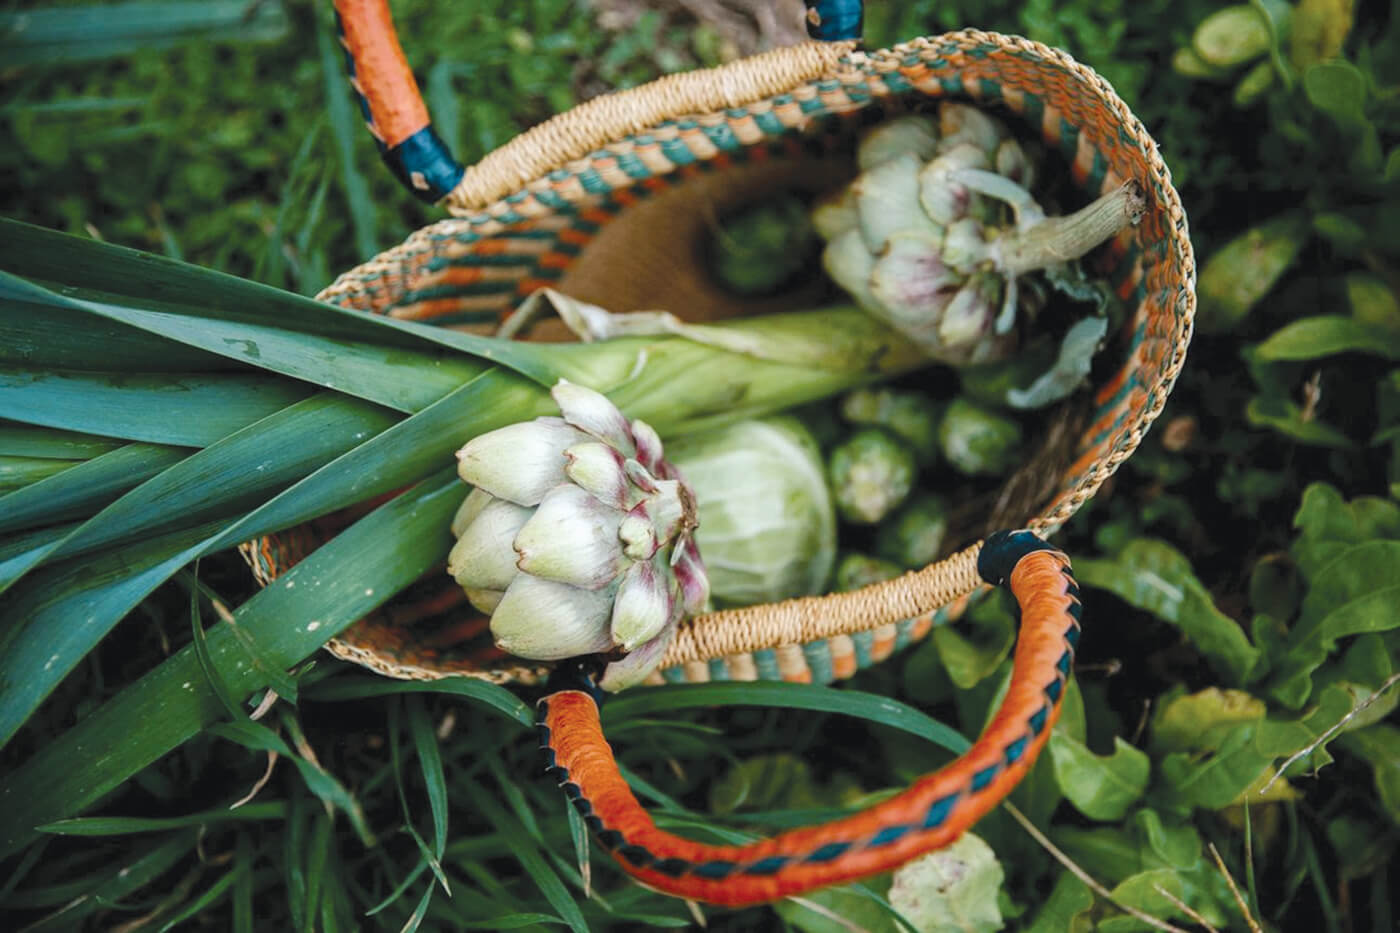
{"x":1239,"y":574}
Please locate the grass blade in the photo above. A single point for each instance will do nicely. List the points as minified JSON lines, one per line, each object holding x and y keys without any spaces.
{"x":868,"y":706}
{"x":345,"y":129}
{"x":339,"y":583}
{"x":65,"y":35}
{"x":480,"y":692}
{"x":127,"y":825}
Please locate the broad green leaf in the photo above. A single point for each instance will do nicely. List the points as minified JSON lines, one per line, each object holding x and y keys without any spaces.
{"x":1338,"y":89}
{"x":646,"y":701}
{"x":1202,"y":721}
{"x":1329,"y":525}
{"x":778,"y":781}
{"x":318,"y":598}
{"x":970,"y":660}
{"x":38,"y":334}
{"x":1238,"y":275}
{"x":1102,"y":787}
{"x":1141,"y":891}
{"x":184,"y":410}
{"x":1380,"y":745}
{"x":1154,"y":576}
{"x":87,"y":487}
{"x":1356,"y":592}
{"x":1067,"y":909}
{"x":1216,"y":779}
{"x":23,"y":440}
{"x":838,"y":909}
{"x":1279,"y":738}
{"x":18,"y":472}
{"x":27,"y":549}
{"x":1326,"y":334}
{"x":1232,"y":36}
{"x":118,"y":276}
{"x":1177,"y":846}
{"x":237,"y":471}
{"x":954,"y":888}
{"x":1373,"y":303}
{"x":1286,"y":417}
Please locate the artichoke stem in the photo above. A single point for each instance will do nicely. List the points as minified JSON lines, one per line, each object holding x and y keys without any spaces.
{"x":1064,"y":239}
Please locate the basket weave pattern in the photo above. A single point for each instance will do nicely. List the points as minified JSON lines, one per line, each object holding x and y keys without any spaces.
{"x":469,"y":271}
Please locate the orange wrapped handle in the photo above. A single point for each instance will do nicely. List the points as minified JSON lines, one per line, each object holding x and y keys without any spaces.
{"x":932,"y":813}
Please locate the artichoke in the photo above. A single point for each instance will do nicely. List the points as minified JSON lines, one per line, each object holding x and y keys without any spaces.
{"x":578,"y":537}
{"x":932,"y":237}
{"x":871,"y":473}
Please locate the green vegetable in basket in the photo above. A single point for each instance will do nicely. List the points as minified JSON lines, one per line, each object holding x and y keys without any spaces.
{"x":936,"y":233}
{"x":978,"y":441}
{"x":913,"y":536}
{"x":911,"y":416}
{"x":767,"y":525}
{"x":759,"y":249}
{"x":578,"y":536}
{"x":857,"y":570}
{"x":871,"y":473}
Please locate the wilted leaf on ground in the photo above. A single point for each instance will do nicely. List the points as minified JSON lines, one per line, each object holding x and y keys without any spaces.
{"x":952,"y":889}
{"x":1202,"y":721}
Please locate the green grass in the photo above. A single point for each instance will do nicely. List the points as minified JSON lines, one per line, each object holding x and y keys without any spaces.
{"x":1265,"y":497}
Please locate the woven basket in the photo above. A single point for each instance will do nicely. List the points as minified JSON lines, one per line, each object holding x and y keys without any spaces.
{"x":609,"y":202}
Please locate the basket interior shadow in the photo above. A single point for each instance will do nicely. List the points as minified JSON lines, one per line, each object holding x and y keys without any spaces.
{"x":624,"y":227}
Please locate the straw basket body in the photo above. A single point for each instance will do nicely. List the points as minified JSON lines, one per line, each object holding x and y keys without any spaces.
{"x":610,"y":202}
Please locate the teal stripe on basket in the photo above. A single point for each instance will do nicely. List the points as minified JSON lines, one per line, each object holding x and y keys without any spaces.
{"x":674,"y":675}
{"x":766,"y":661}
{"x":592,"y":182}
{"x":677,"y":151}
{"x":863,"y":642}
{"x":633,"y":166}
{"x":1098,"y":169}
{"x":719,"y":670}
{"x":988,"y":90}
{"x":902,"y":628}
{"x":818,"y":654}
{"x":457,"y":291}
{"x":1033,"y":108}
{"x":952,"y":85}
{"x":768,"y":122}
{"x":1069,"y":140}
{"x":723,"y":137}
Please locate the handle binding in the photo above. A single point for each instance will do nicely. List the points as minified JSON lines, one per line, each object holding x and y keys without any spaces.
{"x":930,"y":814}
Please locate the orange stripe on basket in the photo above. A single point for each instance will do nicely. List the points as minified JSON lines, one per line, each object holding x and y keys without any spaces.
{"x":381,"y":70}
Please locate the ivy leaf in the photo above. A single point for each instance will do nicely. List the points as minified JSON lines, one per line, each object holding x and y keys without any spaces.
{"x":951,"y":889}
{"x":1154,"y":576}
{"x":1380,"y":745}
{"x":1102,"y":787}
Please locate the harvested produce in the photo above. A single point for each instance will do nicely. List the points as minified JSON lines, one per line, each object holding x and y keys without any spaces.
{"x":871,"y":473}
